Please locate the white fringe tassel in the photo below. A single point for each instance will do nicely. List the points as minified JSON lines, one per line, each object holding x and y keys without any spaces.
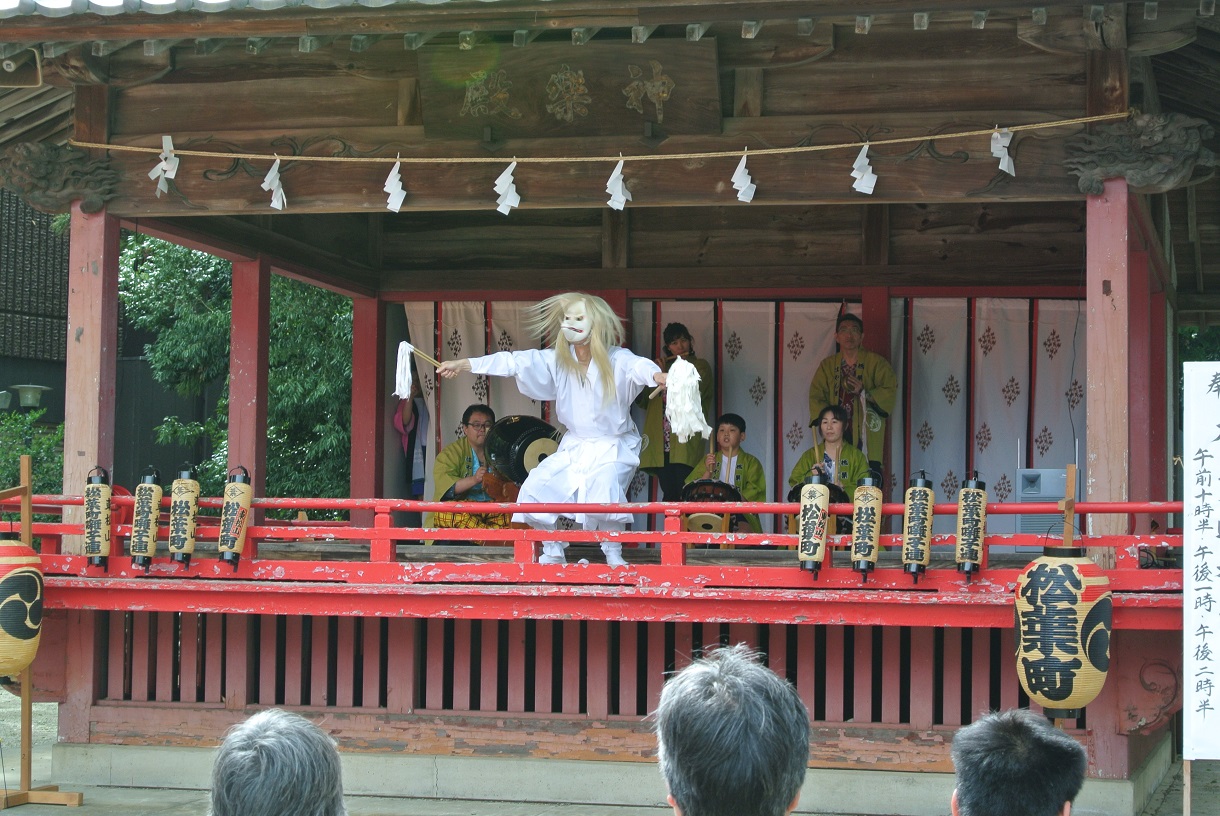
{"x":402,"y":374}
{"x":683,"y":408}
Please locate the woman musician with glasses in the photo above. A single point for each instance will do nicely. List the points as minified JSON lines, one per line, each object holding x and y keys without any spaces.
{"x":459,"y":471}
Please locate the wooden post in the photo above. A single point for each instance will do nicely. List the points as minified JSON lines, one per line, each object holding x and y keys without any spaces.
{"x":93,"y":314}
{"x":1108,"y":304}
{"x":248,"y":375}
{"x":368,"y":403}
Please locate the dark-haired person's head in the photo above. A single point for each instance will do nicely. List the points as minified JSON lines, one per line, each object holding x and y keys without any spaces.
{"x":675,"y":331}
{"x":1015,"y":763}
{"x":735,"y":420}
{"x":836,"y":411}
{"x":277,"y":763}
{"x":850,"y":320}
{"x":478,"y":408}
{"x":732,"y":737}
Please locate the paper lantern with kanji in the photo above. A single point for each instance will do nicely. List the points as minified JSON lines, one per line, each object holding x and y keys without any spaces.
{"x":21,"y":593}
{"x":1063,"y":619}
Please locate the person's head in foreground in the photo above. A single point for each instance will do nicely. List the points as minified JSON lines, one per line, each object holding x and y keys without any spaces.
{"x":1015,"y":763}
{"x":732,"y":737}
{"x":277,"y":764}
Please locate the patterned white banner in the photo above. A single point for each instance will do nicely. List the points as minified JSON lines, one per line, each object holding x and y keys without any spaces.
{"x":1001,"y":399}
{"x":508,"y":333}
{"x":808,"y":338}
{"x":938,"y":427}
{"x":463,"y":334}
{"x":1059,"y":392}
{"x":421,"y":331}
{"x":747,"y":356}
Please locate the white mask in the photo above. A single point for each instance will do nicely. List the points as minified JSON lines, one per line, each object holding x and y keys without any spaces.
{"x":575,"y":325}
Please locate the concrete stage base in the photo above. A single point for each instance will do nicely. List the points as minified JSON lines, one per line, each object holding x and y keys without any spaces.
{"x":631,"y":784}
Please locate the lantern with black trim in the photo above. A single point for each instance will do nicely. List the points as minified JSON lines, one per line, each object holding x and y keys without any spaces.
{"x":971,"y":525}
{"x":183,"y":509}
{"x":814,"y":523}
{"x":917,"y":526}
{"x":866,"y":526}
{"x":21,"y":596}
{"x":1064,"y":613}
{"x":144,"y":519}
{"x":235,"y":515}
{"x":97,"y":516}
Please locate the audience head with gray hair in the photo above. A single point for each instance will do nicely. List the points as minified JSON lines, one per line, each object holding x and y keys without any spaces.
{"x":277,"y":764}
{"x":1015,"y":763}
{"x":732,"y":737}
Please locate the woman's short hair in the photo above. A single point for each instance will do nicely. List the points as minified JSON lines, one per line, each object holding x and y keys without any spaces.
{"x":674,"y":331}
{"x":836,"y":411}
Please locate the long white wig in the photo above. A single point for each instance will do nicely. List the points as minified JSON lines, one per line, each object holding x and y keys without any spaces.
{"x":605,"y":330}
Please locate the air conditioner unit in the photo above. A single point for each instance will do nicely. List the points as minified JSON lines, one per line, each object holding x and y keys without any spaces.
{"x":1042,"y":485}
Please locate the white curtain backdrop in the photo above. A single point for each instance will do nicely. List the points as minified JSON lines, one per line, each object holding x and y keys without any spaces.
{"x":1001,"y":398}
{"x":463,"y":333}
{"x":808,"y":337}
{"x":747,"y":354}
{"x":1059,"y":393}
{"x":938,"y":426}
{"x":421,"y":331}
{"x":508,"y":334}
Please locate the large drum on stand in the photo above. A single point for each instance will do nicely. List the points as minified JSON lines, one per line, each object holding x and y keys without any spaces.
{"x":515,"y":446}
{"x":709,"y":490}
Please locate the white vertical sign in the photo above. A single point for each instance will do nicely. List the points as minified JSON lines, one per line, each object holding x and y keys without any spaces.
{"x":1201,"y":544}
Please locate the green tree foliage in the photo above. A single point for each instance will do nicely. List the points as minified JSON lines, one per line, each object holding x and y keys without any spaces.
{"x":1199,"y":345}
{"x":20,"y":433}
{"x":183,"y":298}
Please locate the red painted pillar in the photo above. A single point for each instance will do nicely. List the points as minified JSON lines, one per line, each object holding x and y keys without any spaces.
{"x":1107,"y":469}
{"x":875,"y":312}
{"x":369,"y":392}
{"x":93,"y":315}
{"x":1158,"y":391}
{"x":1139,"y":351}
{"x":248,"y":370}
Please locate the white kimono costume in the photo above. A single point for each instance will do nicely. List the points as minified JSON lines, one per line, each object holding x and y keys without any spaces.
{"x":600,"y":451}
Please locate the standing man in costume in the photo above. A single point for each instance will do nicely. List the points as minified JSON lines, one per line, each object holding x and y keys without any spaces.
{"x":593,"y":381}
{"x":863,"y":383}
{"x":664,"y":456}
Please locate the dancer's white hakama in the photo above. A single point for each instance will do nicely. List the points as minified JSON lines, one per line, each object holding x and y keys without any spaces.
{"x":600,"y":451}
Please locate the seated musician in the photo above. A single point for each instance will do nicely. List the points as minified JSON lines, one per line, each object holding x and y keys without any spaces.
{"x":734,"y":466}
{"x":833,"y":457}
{"x":459,"y":471}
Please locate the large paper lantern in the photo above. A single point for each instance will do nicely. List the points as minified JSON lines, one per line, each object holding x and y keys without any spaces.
{"x":235,"y":515}
{"x":21,"y":594}
{"x":866,"y":526}
{"x":183,"y":509}
{"x":145,"y":519}
{"x":814,"y":523}
{"x":917,"y":526}
{"x":1063,"y":618}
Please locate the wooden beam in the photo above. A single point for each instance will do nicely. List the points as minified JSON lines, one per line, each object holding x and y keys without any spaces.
{"x":616,"y":235}
{"x":1063,"y":280}
{"x":747,"y":92}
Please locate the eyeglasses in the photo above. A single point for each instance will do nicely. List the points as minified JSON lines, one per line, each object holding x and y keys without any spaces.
{"x":479,"y":426}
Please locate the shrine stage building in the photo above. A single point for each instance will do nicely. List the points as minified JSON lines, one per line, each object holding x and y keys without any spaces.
{"x":1028,"y":318}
